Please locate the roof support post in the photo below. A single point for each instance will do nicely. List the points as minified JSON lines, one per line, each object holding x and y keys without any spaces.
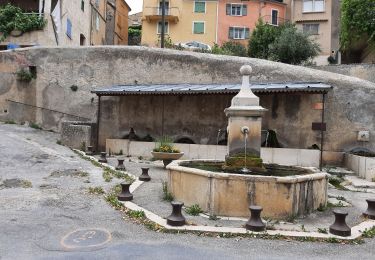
{"x":322,"y":133}
{"x":98,"y":124}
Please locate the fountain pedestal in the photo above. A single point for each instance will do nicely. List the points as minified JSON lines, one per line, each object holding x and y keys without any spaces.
{"x":244,"y":113}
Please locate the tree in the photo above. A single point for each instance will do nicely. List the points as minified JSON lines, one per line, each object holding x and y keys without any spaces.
{"x":293,"y":47}
{"x":262,"y":36}
{"x":357,"y":22}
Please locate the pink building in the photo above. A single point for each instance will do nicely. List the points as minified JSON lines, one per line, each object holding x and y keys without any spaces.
{"x":237,"y":18}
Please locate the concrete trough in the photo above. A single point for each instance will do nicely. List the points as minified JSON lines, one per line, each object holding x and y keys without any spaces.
{"x":227,"y":194}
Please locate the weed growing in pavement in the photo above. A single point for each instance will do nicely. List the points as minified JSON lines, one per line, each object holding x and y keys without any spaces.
{"x":194,"y":210}
{"x":137,"y":214}
{"x":96,"y":190}
{"x":369,"y":233}
{"x":167,"y":196}
{"x":107,"y":176}
{"x":322,"y":230}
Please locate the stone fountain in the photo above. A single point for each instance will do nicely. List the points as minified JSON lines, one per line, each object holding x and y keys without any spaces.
{"x":228,"y":188}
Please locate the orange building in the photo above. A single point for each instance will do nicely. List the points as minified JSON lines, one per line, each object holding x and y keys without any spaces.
{"x":237,"y":18}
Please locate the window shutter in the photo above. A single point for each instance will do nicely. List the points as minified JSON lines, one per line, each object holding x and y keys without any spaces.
{"x":244,"y":10}
{"x":231,"y":33}
{"x":228,"y":9}
{"x":247,"y":33}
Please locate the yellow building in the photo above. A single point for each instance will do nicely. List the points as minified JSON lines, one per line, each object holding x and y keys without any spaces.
{"x":186,"y":20}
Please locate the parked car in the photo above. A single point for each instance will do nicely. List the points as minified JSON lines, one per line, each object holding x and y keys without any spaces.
{"x":194,"y":45}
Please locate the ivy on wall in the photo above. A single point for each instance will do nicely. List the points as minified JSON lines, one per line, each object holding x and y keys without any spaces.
{"x":12,"y":18}
{"x":357,"y":22}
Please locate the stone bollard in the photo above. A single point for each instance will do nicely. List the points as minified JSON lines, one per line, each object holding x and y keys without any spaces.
{"x":120,"y":166}
{"x":339,"y":227}
{"x":144,"y":176}
{"x":370,"y":212}
{"x":103,"y":158}
{"x":176,"y":218}
{"x":125,"y":194}
{"x":90,"y":150}
{"x":255,"y":223}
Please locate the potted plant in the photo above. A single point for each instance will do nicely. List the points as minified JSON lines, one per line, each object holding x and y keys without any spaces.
{"x":165,"y":151}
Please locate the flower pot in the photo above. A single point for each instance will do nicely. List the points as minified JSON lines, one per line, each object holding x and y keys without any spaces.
{"x":16,"y":33}
{"x":167,"y":158}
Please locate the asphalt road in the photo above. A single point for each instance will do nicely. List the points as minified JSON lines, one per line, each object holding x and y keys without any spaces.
{"x":35,"y":222}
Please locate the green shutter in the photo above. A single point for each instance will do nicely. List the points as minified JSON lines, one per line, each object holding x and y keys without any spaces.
{"x":244,"y":10}
{"x":247,"y":33}
{"x":228,"y":8}
{"x":231,"y":33}
{"x":199,"y":7}
{"x":198,"y":28}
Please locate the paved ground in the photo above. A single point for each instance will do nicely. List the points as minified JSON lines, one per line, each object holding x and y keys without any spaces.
{"x":34,"y":221}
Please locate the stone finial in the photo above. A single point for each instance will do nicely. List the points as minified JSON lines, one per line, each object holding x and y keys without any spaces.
{"x":246,"y":70}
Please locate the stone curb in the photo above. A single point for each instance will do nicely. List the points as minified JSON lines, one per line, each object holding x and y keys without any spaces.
{"x":356,"y":230}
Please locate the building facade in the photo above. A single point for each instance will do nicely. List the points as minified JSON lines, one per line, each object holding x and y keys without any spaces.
{"x":320,"y":19}
{"x":71,"y":23}
{"x":117,"y":22}
{"x":186,"y":20}
{"x":68,"y":23}
{"x":237,"y":18}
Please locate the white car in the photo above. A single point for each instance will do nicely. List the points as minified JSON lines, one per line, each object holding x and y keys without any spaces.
{"x":193,"y":45}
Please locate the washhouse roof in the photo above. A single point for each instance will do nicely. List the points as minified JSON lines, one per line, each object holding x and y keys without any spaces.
{"x":189,"y":89}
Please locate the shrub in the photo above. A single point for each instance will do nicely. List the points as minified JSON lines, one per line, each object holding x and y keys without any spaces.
{"x":236,"y":48}
{"x":194,"y":210}
{"x":13,"y":18}
{"x":261,"y":38}
{"x":293,"y":47}
{"x":24,"y":75}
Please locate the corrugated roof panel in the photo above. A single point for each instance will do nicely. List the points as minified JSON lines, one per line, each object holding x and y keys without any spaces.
{"x":314,"y":87}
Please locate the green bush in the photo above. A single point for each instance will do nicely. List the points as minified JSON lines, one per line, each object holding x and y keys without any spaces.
{"x":357,"y":22}
{"x":24,"y":75}
{"x":261,"y":38}
{"x":13,"y":18}
{"x":293,"y":47}
{"x":236,"y":48}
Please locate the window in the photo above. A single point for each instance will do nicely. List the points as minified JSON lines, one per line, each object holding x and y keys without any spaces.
{"x":198,"y":27}
{"x":82,"y":5}
{"x":274,"y":17}
{"x":97,"y":21}
{"x":236,"y":9}
{"x":166,"y":27}
{"x":311,"y":28}
{"x":313,"y":6}
{"x":97,"y":3}
{"x":239,"y":33}
{"x":69,"y":28}
{"x":199,"y":7}
{"x":166,"y":8}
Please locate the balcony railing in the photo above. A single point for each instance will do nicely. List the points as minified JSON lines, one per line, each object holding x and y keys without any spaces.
{"x":272,"y":20}
{"x":154,"y":14}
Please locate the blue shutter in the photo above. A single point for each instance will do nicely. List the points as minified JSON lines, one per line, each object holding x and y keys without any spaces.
{"x":69,"y":28}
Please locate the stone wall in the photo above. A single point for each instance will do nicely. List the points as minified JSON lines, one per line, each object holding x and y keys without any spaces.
{"x":362,"y":71}
{"x":350,"y":105}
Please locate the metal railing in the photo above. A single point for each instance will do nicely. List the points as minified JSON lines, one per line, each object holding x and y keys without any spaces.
{"x":269,"y":19}
{"x":172,"y":11}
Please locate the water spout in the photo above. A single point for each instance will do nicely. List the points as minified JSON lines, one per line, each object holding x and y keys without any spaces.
{"x":245,"y":131}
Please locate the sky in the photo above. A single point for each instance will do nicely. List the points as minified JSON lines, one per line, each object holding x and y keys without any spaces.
{"x":135,"y":5}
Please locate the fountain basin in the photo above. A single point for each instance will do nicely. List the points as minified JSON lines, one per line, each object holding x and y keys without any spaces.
{"x":230,"y":194}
